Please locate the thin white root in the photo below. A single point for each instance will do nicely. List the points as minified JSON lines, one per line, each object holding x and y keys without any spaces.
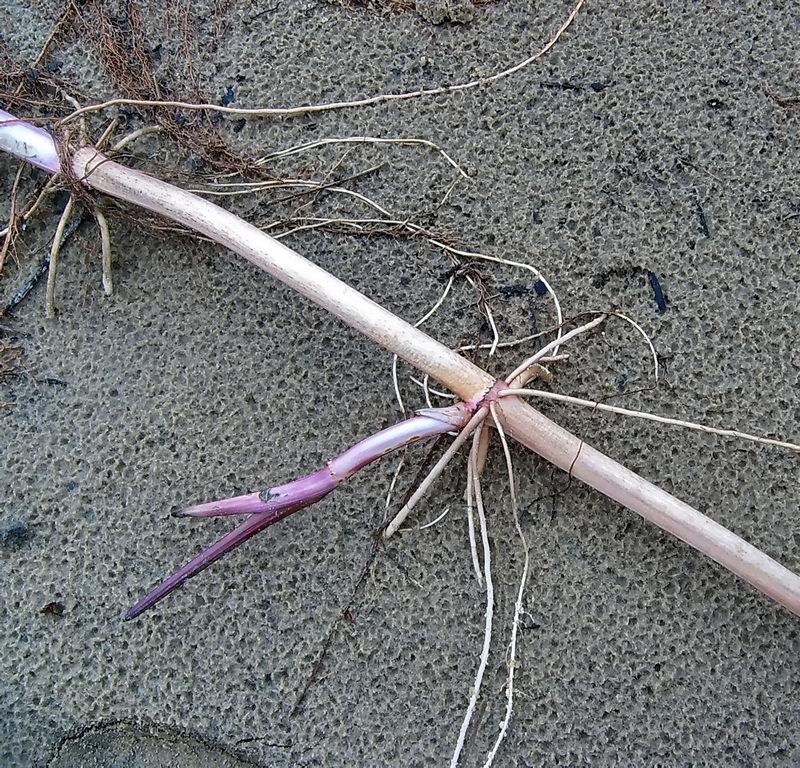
{"x":396,"y":383}
{"x":520,"y":369}
{"x":487,"y":632}
{"x":421,"y":383}
{"x":77,"y":107}
{"x":453,"y":448}
{"x":28,"y":214}
{"x":518,"y":607}
{"x":107,"y":133}
{"x":426,"y":391}
{"x":483,"y":450}
{"x":358,"y":224}
{"x":429,"y":524}
{"x":473,"y":547}
{"x":393,"y":483}
{"x":650,"y":417}
{"x":486,"y":309}
{"x":647,"y":340}
{"x":237,"y":189}
{"x":312,"y":108}
{"x":134,"y":135}
{"x":51,"y":182}
{"x":419,"y":322}
{"x":55,"y":248}
{"x":509,"y":263}
{"x":493,"y":325}
{"x":105,"y":244}
{"x":536,"y":371}
{"x":360,"y":140}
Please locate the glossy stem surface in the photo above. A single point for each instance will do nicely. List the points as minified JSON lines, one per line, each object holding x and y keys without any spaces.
{"x":28,"y":142}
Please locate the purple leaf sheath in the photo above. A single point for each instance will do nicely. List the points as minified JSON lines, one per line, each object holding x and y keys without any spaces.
{"x":273,"y":504}
{"x":26,"y":141}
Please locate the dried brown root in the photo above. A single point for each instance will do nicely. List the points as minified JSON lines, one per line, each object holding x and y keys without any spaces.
{"x":13,"y":220}
{"x":124,"y":79}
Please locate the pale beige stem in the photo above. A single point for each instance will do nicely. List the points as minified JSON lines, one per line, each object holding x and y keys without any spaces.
{"x":415,"y":347}
{"x":469,"y":382}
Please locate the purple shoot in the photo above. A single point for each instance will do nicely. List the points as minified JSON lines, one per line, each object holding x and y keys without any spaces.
{"x":273,"y":504}
{"x":28,"y":142}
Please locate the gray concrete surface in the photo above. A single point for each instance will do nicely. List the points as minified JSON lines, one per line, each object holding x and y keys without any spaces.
{"x":201,"y":378}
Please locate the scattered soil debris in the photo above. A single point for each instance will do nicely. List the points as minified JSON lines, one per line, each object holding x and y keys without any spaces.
{"x":54,"y":608}
{"x":597,"y":87}
{"x":523,"y":289}
{"x":786,"y":102}
{"x":601,"y":278}
{"x":628,"y":273}
{"x":516,"y":289}
{"x":52,"y":382}
{"x":10,"y":356}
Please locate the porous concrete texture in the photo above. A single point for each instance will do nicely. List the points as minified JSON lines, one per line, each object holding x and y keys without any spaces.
{"x":652,"y":138}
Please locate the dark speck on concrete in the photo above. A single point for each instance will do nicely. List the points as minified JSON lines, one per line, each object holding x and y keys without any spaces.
{"x":229,"y":96}
{"x":14,"y":535}
{"x":658,"y":292}
{"x":54,"y":608}
{"x":596,"y":86}
{"x":701,"y":214}
{"x":540,"y":288}
{"x":516,"y":289}
{"x":53,"y":382}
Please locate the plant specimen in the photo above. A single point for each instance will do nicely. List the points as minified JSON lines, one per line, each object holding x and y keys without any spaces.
{"x":487,"y":402}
